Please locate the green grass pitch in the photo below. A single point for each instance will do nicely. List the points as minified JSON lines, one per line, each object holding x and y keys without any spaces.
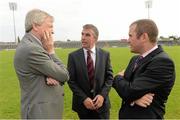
{"x":10,"y":92}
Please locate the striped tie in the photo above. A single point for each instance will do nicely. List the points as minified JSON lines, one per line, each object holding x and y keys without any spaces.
{"x":136,"y":64}
{"x":90,"y":69}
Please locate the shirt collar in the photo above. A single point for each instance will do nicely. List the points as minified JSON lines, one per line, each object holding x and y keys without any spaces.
{"x":146,"y":53}
{"x":93,"y":50}
{"x":39,"y":41}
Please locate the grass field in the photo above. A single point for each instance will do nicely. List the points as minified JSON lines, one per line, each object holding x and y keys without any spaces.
{"x":10,"y":92}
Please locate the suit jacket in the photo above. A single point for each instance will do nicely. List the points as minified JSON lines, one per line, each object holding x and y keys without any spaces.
{"x":79,"y":81}
{"x":155,"y":74}
{"x":33,"y":65}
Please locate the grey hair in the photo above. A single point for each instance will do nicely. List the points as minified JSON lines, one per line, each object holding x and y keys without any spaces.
{"x":35,"y":16}
{"x":93,"y":28}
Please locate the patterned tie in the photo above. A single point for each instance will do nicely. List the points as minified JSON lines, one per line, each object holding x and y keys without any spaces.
{"x":136,"y":64}
{"x":90,"y":68}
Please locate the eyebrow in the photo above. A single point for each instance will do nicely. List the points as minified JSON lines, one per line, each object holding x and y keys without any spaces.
{"x":86,"y":34}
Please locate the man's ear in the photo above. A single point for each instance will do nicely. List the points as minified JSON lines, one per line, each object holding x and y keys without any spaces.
{"x":35,"y":27}
{"x":145,"y":37}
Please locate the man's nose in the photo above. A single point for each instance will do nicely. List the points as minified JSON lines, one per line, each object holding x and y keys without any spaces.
{"x":83,"y":37}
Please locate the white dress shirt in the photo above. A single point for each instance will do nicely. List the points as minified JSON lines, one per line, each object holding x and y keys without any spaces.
{"x":93,"y":55}
{"x":148,"y":52}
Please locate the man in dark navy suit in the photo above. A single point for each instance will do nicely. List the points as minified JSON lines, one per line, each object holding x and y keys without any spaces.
{"x":149,"y":77}
{"x":91,"y":77}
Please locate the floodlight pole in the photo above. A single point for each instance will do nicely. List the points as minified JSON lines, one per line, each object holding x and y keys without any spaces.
{"x":148,"y":12}
{"x":13,"y":7}
{"x":148,"y":5}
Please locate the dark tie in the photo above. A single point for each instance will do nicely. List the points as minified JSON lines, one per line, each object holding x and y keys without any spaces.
{"x":90,"y":69}
{"x":136,"y":64}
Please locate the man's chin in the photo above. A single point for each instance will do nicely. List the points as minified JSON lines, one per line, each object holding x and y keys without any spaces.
{"x":135,"y":52}
{"x":84,"y":46}
{"x":132,"y":50}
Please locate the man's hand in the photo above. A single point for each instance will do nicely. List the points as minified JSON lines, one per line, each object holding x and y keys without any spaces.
{"x":51,"y":82}
{"x":98,"y":101}
{"x":88,"y":103}
{"x":47,"y":42}
{"x":145,"y":100}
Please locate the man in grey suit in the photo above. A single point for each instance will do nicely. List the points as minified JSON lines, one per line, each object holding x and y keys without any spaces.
{"x":91,"y":77}
{"x":41,"y":74}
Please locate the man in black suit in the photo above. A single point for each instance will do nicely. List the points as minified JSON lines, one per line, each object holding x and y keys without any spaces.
{"x":90,"y":85}
{"x":146,"y":83}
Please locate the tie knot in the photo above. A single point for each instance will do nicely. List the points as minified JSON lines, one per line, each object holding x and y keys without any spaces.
{"x":139,"y":58}
{"x":89,"y":52}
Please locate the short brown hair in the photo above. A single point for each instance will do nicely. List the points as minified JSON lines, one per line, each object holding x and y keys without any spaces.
{"x":146,"y":26}
{"x":93,"y":28}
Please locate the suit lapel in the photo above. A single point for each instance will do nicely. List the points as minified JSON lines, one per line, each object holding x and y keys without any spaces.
{"x":129,"y":70}
{"x":98,"y":57}
{"x":97,"y":66}
{"x":82,"y":65}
